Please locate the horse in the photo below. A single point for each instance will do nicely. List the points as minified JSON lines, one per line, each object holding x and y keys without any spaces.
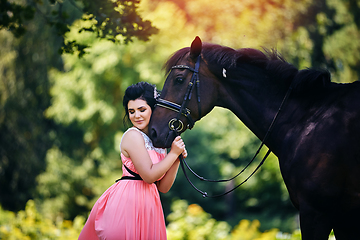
{"x":315,"y":136}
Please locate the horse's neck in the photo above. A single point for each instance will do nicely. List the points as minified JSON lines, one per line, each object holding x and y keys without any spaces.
{"x":256,"y":107}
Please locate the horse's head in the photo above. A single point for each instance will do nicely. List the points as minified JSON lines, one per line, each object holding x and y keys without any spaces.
{"x":184,"y":98}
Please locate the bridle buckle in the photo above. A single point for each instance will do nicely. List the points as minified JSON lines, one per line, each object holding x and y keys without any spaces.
{"x":176,"y":125}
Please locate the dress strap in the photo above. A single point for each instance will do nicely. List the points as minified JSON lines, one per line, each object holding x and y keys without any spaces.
{"x":134,"y":176}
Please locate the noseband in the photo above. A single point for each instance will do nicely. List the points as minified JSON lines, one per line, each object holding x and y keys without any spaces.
{"x":176,"y":124}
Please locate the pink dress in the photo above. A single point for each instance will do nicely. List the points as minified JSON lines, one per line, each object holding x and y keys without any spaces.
{"x":129,"y":209}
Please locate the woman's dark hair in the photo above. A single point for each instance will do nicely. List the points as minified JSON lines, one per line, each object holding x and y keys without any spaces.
{"x":140,"y":90}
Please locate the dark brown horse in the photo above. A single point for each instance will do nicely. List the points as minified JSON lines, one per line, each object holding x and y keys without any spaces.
{"x":316,"y":136}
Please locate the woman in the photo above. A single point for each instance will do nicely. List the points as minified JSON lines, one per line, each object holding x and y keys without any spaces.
{"x":131,"y":208}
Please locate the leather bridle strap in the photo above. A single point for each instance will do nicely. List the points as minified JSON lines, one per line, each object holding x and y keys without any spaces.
{"x":182,"y":109}
{"x":195,"y":80}
{"x":176,"y":108}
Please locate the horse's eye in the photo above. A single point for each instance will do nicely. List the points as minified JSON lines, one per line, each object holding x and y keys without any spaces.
{"x":179,"y":79}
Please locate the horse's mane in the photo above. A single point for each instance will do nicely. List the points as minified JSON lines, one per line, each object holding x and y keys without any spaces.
{"x":304,"y":81}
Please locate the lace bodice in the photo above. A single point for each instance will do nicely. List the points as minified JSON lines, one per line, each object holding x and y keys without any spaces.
{"x":148,"y":143}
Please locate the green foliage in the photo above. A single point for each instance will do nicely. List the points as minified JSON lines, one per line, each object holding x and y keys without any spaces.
{"x":13,"y":16}
{"x":114,"y":18}
{"x":111,"y":20}
{"x":61,"y":118}
{"x":24,"y":87}
{"x":191,"y":222}
{"x":330,"y":28}
{"x":30,"y":224}
{"x":65,"y":198}
{"x":186,"y":222}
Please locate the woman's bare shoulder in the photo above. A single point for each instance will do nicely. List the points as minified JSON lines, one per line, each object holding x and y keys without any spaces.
{"x":131,"y":139}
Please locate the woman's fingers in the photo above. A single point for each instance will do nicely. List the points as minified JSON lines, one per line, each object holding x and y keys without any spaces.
{"x":179,"y":144}
{"x":184,"y":153}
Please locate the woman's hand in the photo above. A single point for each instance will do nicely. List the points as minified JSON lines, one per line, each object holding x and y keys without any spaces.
{"x":184,"y":153}
{"x":178,"y":147}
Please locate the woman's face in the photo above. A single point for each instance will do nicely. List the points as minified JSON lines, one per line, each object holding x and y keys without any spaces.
{"x":139,"y":114}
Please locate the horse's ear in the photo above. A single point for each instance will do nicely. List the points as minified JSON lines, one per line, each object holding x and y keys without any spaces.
{"x":195,"y":48}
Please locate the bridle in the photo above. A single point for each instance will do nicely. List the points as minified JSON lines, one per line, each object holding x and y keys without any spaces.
{"x":177,"y":126}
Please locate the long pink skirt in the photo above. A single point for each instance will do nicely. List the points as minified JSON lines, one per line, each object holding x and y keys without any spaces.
{"x":128,"y":210}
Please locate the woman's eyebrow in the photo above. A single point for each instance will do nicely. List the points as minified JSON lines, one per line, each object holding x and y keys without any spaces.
{"x":137,"y":108}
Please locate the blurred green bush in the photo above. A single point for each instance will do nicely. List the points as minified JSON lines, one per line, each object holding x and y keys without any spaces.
{"x":186,"y":222}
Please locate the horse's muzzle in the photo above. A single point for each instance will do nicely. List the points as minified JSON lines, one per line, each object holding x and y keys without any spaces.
{"x":162,"y":140}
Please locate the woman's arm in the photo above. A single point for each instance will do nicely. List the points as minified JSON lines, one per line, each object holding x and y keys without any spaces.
{"x":133,"y":146}
{"x":167,"y":181}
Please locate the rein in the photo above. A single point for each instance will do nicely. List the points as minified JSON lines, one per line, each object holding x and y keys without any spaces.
{"x":177,"y":125}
